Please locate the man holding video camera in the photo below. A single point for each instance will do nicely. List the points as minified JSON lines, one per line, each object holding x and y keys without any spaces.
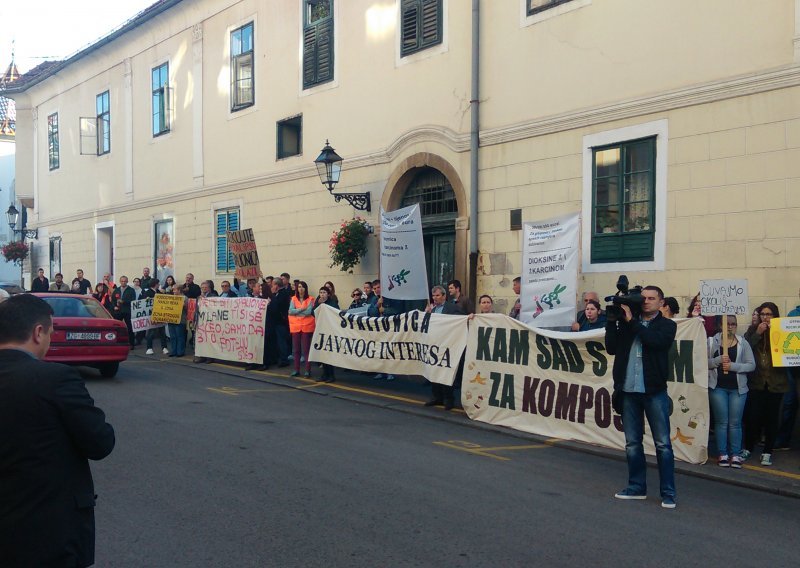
{"x":640,"y":344}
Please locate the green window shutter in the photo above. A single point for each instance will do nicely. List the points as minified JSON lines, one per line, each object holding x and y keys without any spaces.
{"x":233,"y":225}
{"x":421,"y":25}
{"x":222,"y":242}
{"x":317,"y":45}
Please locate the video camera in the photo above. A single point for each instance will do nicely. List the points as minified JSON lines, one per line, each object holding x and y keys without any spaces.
{"x":625,"y":296}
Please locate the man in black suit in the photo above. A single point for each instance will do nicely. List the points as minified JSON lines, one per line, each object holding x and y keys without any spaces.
{"x":121,"y":299}
{"x":49,"y":429}
{"x":444,"y":394}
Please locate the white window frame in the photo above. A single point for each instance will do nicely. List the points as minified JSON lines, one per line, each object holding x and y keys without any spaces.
{"x":217,"y":206}
{"x":432,"y":51}
{"x":225,"y":72}
{"x":659,"y":129}
{"x":327,"y":86}
{"x":554,"y":12}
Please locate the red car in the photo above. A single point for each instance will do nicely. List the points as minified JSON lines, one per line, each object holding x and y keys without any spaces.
{"x":84,"y":333}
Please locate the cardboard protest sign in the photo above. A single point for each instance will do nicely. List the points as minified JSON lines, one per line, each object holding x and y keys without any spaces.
{"x":559,"y":384}
{"x":784,"y":340}
{"x":242,"y":245}
{"x":412,"y":343}
{"x":167,"y":309}
{"x":231,"y":329}
{"x":403,"y":272}
{"x":550,"y":271}
{"x":141,"y":310}
{"x":723,"y":297}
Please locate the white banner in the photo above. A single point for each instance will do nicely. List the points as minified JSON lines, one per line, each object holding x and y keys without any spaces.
{"x":403,"y":272}
{"x":231,"y":329}
{"x":412,"y":343}
{"x":550,"y":271}
{"x":559,"y":384}
{"x":141,"y":310}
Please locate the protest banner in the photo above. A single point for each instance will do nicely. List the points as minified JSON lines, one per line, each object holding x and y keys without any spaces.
{"x":550,"y":271}
{"x":559,"y":384}
{"x":167,"y":308}
{"x":242,"y":245}
{"x":723,"y":298}
{"x":231,"y":329}
{"x":403,"y":272}
{"x":784,"y":340}
{"x":191,"y":309}
{"x":412,"y":343}
{"x":141,"y":310}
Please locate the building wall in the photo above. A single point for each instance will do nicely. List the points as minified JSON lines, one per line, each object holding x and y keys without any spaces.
{"x":719,"y":77}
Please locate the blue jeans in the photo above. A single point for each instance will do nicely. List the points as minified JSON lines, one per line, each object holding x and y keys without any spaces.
{"x":728,"y":407}
{"x":656,"y":407}
{"x":177,"y":339}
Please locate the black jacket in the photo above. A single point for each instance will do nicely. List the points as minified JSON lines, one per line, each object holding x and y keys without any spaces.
{"x":656,"y":341}
{"x":49,"y":429}
{"x":40,"y":285}
{"x":127,"y":296}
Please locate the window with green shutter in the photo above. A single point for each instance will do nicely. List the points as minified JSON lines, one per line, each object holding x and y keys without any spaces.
{"x":317,"y":42}
{"x":421,"y":25}
{"x":623,"y":201}
{"x":227,"y":220}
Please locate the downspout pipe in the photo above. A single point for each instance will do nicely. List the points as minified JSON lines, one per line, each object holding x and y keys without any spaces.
{"x":474,"y":144}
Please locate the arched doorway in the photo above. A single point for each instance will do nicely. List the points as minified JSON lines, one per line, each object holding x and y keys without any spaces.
{"x":439,"y":210}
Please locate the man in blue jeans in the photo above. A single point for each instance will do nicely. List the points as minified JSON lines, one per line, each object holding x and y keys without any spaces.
{"x":641,"y":346}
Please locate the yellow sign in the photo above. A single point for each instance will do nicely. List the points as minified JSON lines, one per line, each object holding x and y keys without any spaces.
{"x":784,"y":339}
{"x":167,"y":309}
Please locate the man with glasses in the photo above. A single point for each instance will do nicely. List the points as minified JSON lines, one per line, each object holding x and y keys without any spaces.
{"x":641,"y":347}
{"x":227,"y":292}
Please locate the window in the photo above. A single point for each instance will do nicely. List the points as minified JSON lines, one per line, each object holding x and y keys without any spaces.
{"x":242,"y":86}
{"x":317,"y":42}
{"x":226,"y":220}
{"x":421,"y":22}
{"x":55,"y":256}
{"x":103,"y":124}
{"x":536,"y":6}
{"x":290,"y":137}
{"x":52,"y":141}
{"x":161,"y":99}
{"x":623,"y":201}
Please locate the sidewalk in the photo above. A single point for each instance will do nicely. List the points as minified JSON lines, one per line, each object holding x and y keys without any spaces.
{"x":408,"y":394}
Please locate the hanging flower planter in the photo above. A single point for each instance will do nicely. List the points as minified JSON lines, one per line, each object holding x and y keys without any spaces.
{"x":348,"y":244}
{"x":15,"y":251}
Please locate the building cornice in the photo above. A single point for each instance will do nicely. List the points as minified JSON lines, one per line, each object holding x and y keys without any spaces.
{"x":743,"y":85}
{"x":783,"y":77}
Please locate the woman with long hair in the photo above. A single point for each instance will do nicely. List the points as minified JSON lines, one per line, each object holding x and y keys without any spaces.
{"x":301,"y":326}
{"x":327,"y":297}
{"x":767,"y":387}
{"x":332,"y":291}
{"x":102,"y":295}
{"x":169,"y":284}
{"x":727,"y":391}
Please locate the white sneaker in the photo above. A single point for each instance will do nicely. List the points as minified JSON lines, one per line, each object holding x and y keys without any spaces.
{"x":766,"y":459}
{"x":390,"y":377}
{"x":148,"y":352}
{"x":165,"y":351}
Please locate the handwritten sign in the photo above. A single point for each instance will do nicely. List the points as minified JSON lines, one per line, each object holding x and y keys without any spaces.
{"x":723,"y":297}
{"x":784,"y":339}
{"x":141,"y":310}
{"x":191,"y":309}
{"x":231,"y":329}
{"x":242,"y":245}
{"x":167,"y":309}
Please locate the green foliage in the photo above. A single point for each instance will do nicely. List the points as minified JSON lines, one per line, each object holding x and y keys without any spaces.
{"x":348,"y":244}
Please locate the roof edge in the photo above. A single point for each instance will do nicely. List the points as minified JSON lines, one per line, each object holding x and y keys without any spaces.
{"x":145,"y":16}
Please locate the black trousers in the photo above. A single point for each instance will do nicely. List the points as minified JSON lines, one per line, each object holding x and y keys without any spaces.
{"x":763,"y":412}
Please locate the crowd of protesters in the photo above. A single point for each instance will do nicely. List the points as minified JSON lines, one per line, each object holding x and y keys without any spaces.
{"x":751,"y":401}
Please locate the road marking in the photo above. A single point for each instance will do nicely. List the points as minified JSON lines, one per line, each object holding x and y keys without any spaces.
{"x":777,"y":472}
{"x":477,"y":449}
{"x":235,"y":392}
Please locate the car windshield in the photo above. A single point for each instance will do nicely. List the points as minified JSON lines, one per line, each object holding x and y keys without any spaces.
{"x":76,"y":307}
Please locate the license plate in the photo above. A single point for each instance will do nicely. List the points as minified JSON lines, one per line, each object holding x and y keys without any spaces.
{"x":82,"y":336}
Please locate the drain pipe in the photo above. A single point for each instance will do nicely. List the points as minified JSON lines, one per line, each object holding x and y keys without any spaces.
{"x":474,"y":144}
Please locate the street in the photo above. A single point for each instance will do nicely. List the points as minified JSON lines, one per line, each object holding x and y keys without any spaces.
{"x":214,"y":469}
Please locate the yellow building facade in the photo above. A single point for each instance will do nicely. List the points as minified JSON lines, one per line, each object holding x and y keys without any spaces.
{"x":672,"y":127}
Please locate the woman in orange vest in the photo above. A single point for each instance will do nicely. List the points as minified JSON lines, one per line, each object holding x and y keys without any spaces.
{"x":301,"y":325}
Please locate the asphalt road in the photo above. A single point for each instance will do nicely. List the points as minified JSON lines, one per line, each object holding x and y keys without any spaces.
{"x":216,"y":470}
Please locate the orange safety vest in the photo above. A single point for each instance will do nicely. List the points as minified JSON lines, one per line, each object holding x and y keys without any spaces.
{"x":305,"y":324}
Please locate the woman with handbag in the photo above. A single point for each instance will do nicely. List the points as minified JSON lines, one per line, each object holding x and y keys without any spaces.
{"x":727,"y":391}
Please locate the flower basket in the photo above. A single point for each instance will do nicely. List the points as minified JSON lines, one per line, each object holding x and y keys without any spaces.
{"x":15,"y":251}
{"x":348,"y":244}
